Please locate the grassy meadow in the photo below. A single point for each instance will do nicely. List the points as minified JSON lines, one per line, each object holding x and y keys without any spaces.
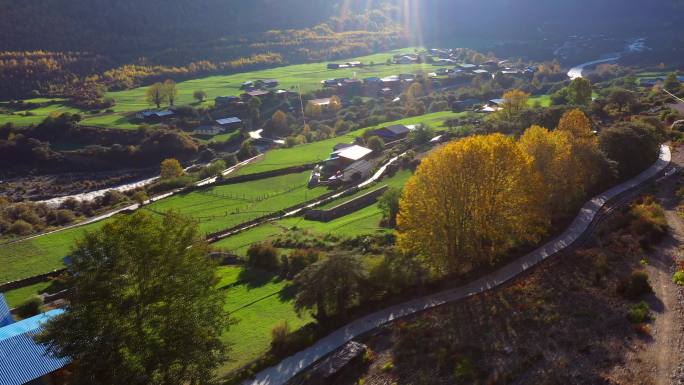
{"x":257,"y":301}
{"x":306,"y":77}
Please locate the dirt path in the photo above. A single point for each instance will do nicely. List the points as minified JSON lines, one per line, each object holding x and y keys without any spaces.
{"x":664,"y":357}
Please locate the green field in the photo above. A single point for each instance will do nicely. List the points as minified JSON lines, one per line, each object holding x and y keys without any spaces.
{"x":39,"y":255}
{"x":257,"y":302}
{"x":16,"y":297}
{"x":306,"y":77}
{"x":364,"y":221}
{"x":221,"y":207}
{"x":37,"y":115}
{"x":318,"y":151}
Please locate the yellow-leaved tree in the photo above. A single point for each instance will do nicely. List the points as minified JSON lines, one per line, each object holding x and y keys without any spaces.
{"x":514,"y":102}
{"x":552,"y":155}
{"x":589,"y":167}
{"x":469,"y":202}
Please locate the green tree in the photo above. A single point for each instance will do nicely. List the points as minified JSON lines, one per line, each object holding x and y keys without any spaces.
{"x":633,"y":145}
{"x":389,"y":204}
{"x":144,"y":307}
{"x":376,"y":144}
{"x":421,"y":135}
{"x":170,"y":91}
{"x":331,"y":285}
{"x":672,"y":83}
{"x":199,"y":95}
{"x":579,"y":92}
{"x":171,"y":168}
{"x":155,"y":94}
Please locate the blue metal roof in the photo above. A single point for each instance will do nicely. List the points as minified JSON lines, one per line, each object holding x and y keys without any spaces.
{"x":228,"y":121}
{"x":21,"y":358}
{"x":5,"y":315}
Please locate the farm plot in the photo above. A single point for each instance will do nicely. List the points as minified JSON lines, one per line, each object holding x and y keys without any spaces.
{"x":39,"y":255}
{"x":364,"y":221}
{"x":221,"y":207}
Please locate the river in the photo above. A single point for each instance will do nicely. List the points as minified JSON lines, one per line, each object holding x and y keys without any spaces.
{"x":636,"y":45}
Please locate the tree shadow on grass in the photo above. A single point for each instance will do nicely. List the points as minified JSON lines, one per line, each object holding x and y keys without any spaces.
{"x":253,"y":278}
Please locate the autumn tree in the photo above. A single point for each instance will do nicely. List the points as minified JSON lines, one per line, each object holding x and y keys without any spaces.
{"x":552,"y":156}
{"x":171,"y":168}
{"x":514,"y":102}
{"x":279,"y":123}
{"x":199,"y":95}
{"x":156,"y":94}
{"x":577,"y":124}
{"x":469,"y":202}
{"x":590,"y":166}
{"x":313,"y":110}
{"x":335,"y":104}
{"x":144,"y":306}
{"x":170,"y":90}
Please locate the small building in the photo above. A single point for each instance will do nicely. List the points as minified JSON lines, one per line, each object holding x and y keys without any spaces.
{"x":467,"y":66}
{"x":333,"y":66}
{"x":22,"y":360}
{"x":323,"y":102}
{"x":464,"y":105}
{"x":270,"y":83}
{"x":223,"y":101}
{"x":348,"y":155}
{"x":406,"y":59}
{"x":256,"y":94}
{"x":155,"y":116}
{"x":481,"y":72}
{"x":231,"y":123}
{"x":330,"y":83}
{"x":246,"y":85}
{"x":372,"y":80}
{"x":208,"y":130}
{"x":353,"y":64}
{"x":493,"y":105}
{"x":386,"y":92}
{"x":392,"y":133}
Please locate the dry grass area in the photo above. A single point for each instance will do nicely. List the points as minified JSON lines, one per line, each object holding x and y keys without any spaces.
{"x":564,"y":323}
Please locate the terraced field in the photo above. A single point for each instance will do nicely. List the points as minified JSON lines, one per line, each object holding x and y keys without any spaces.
{"x":364,"y":221}
{"x":222,"y":207}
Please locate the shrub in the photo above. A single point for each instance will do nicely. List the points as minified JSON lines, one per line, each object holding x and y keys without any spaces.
{"x":63,"y":217}
{"x":678,"y":278}
{"x":279,"y":336}
{"x":263,"y":256}
{"x":30,"y":307}
{"x":638,"y":313}
{"x":21,"y":227}
{"x":635,"y":285}
{"x":299,"y":259}
{"x":648,"y":221}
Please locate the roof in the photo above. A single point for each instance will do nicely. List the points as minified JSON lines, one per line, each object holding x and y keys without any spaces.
{"x":320,"y":102}
{"x":22,"y":359}
{"x":5,"y":314}
{"x":354,"y":152}
{"x":465,"y":65}
{"x":231,"y":120}
{"x":258,"y":93}
{"x":160,"y":114}
{"x":496,"y":101}
{"x":480,"y":71}
{"x":398,"y":129}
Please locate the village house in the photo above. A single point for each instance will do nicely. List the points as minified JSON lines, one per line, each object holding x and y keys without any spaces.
{"x":229,"y":124}
{"x":223,"y":101}
{"x":22,"y":360}
{"x":391,"y":133}
{"x":345,"y":155}
{"x":155,"y":116}
{"x":464,"y":105}
{"x":208,"y":130}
